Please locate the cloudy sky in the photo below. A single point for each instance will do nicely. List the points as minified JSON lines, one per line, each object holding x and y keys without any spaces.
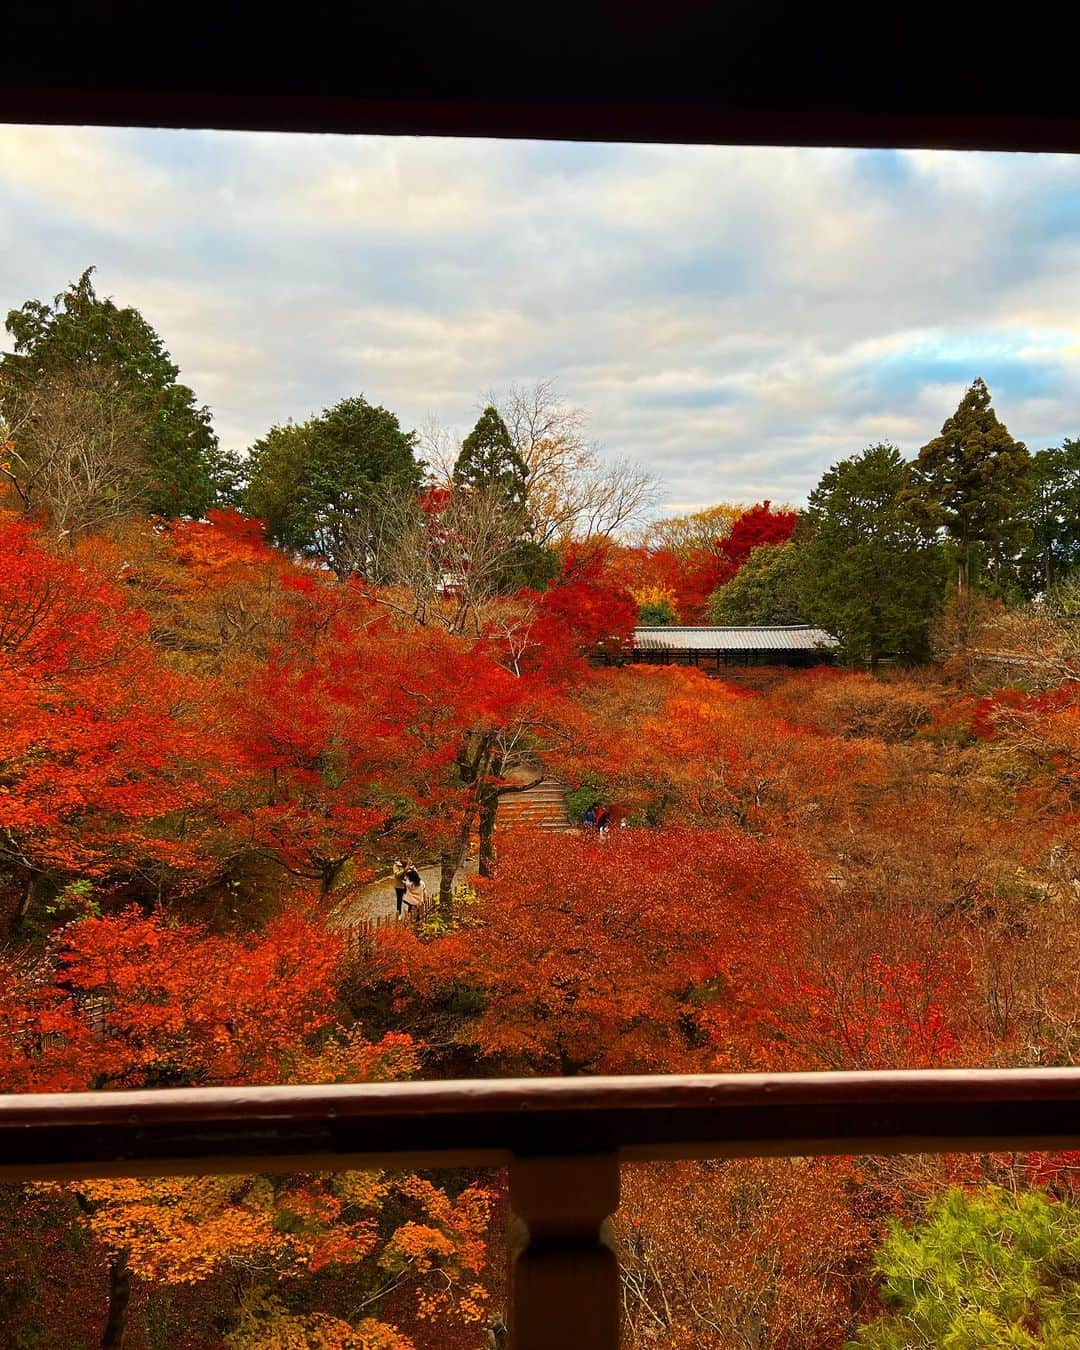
{"x":734,"y":319}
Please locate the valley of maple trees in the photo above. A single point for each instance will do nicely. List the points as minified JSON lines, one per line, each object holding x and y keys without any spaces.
{"x":219,"y":724}
{"x":207,"y":745}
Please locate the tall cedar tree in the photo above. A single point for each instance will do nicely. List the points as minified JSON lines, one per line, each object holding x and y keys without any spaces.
{"x":78,"y":334}
{"x":489,"y":459}
{"x":868,"y":573}
{"x":973,"y":480}
{"x":313,"y":484}
{"x":1053,"y":516}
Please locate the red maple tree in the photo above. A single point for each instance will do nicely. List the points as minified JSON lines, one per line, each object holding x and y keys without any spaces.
{"x":103,"y":764}
{"x":603,"y":954}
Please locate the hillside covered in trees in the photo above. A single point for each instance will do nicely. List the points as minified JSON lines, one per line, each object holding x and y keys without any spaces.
{"x":235,"y":688}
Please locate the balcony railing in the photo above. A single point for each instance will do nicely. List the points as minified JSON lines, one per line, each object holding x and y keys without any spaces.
{"x":562,"y":1140}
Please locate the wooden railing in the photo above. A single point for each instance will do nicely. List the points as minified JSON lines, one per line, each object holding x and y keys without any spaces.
{"x":562,"y":1139}
{"x":358,"y":936}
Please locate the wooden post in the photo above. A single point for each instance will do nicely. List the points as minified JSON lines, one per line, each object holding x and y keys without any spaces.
{"x":564,"y":1284}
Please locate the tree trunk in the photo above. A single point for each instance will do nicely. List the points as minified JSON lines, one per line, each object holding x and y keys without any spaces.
{"x":119,"y":1295}
{"x":473,"y":768}
{"x":489,"y":809}
{"x":22,"y":909}
{"x":963,"y":570}
{"x":451,"y":861}
{"x":448,"y":866}
{"x":329,"y":876}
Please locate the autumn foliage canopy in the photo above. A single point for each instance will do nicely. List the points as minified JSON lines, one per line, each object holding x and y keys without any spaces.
{"x":208,"y":752}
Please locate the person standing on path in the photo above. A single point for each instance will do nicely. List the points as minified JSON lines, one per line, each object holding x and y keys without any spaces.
{"x":399,"y":885}
{"x":589,"y":819}
{"x":415,"y":891}
{"x":603,"y":820}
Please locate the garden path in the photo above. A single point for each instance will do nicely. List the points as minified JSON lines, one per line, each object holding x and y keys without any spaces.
{"x":541,"y":806}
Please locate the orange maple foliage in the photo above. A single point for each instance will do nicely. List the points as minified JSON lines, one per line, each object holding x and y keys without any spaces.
{"x":184,"y":705}
{"x":744,"y":1252}
{"x":603,"y":954}
{"x":103,"y":770}
{"x":138,"y":1001}
{"x":358,"y":726}
{"x":685,"y":566}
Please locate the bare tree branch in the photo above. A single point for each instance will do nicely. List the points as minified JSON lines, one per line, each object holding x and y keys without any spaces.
{"x":451,"y":567}
{"x":73,"y":450}
{"x":571,"y":492}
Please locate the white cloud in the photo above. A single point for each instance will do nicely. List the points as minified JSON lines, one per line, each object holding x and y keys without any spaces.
{"x":85,"y":172}
{"x":737,"y":319}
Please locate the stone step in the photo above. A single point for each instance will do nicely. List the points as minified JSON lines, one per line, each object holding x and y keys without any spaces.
{"x":558,"y":807}
{"x":555,"y":826}
{"x":542,"y":807}
{"x":536,"y":825}
{"x":530,"y":817}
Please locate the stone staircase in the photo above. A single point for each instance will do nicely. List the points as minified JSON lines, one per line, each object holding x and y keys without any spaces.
{"x":542,"y":807}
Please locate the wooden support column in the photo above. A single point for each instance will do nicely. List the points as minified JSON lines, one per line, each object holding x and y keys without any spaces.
{"x":564,"y":1283}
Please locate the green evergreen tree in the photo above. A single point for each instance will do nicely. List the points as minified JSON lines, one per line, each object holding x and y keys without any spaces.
{"x":315,"y":485}
{"x":973,"y":481}
{"x":657,"y":614}
{"x":765,"y":589}
{"x":489,"y":459}
{"x":989,"y":1268}
{"x":490,"y":463}
{"x":78,"y":333}
{"x":228,"y":478}
{"x":275,"y":467}
{"x":531,"y":566}
{"x":867,"y":573}
{"x":1053,"y":517}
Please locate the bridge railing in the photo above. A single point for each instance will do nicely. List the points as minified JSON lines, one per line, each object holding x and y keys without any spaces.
{"x":562,"y":1140}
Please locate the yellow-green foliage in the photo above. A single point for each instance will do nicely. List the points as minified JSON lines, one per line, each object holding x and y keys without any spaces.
{"x":464,"y":913}
{"x":990,"y":1268}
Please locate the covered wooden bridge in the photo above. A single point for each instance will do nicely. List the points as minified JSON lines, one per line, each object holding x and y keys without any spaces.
{"x":713,"y":648}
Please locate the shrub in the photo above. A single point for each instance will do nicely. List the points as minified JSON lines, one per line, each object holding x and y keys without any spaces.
{"x":989,"y":1268}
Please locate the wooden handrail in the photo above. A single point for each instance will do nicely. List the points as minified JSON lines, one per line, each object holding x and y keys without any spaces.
{"x":487,"y":1121}
{"x":562,"y":1138}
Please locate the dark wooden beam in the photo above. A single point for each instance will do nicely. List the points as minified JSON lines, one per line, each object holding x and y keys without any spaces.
{"x":487,"y":1122}
{"x":689,"y":123}
{"x":627,"y":70}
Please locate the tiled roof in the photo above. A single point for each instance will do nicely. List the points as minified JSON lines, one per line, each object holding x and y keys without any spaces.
{"x":796,"y":637}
